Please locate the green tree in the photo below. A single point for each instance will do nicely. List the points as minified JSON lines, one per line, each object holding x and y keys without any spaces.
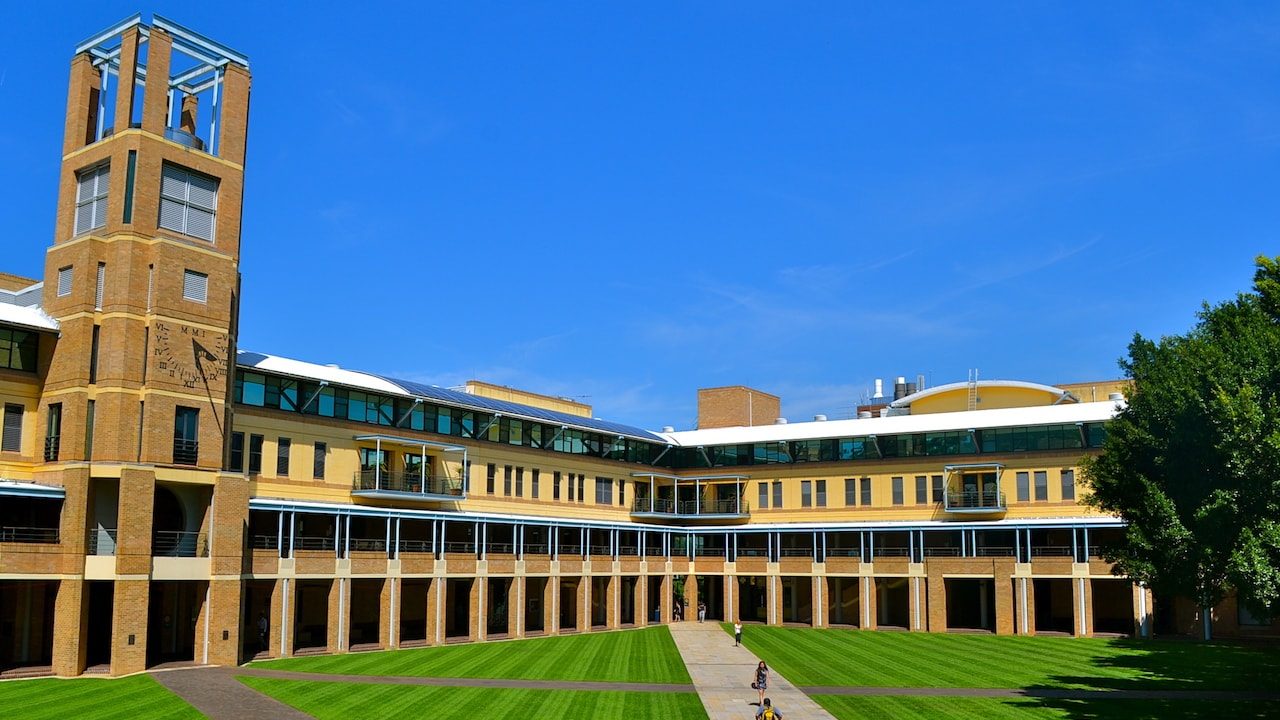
{"x":1192,"y":462}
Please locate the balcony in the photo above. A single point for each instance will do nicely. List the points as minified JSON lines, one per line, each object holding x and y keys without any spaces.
{"x":174,"y":543}
{"x":185,"y":452}
{"x":691,"y":509}
{"x":975,"y":501}
{"x":101,"y":541}
{"x":406,"y":486}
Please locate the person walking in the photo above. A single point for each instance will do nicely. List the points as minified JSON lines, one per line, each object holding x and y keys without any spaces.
{"x":767,"y":711}
{"x":263,"y":646}
{"x":737,"y":632}
{"x":762,"y":681}
{"x":702,"y":611}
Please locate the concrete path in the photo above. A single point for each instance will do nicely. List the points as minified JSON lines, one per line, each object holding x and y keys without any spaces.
{"x":722,"y":675}
{"x":465,"y":682}
{"x":216,"y":693}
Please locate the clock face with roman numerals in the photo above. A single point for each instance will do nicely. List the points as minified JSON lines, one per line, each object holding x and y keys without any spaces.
{"x":194,"y":357}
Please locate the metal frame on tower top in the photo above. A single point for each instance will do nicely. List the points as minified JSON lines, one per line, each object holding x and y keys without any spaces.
{"x":210,"y":61}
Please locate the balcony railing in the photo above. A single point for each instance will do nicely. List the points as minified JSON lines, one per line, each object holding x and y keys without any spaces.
{"x":994,"y":551}
{"x":43,"y":536}
{"x":837,"y":552}
{"x":1050,"y":551}
{"x":264,"y":542}
{"x":415,"y":546}
{"x":690,"y":508}
{"x":101,"y":541}
{"x":51,"y":445}
{"x":975,"y":501}
{"x":185,"y":452}
{"x":173,"y":543}
{"x":892,"y":552}
{"x":753,"y":552}
{"x":406,"y":482}
{"x":796,"y":552}
{"x":459,"y":547}
{"x":314,"y":542}
{"x":368,"y":544}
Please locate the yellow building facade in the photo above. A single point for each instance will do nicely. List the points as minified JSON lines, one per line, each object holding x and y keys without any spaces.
{"x":167,"y":497}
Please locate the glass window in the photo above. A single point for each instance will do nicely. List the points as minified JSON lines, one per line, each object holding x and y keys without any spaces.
{"x":806,"y":494}
{"x":11,"y":440}
{"x":866,"y":491}
{"x":490,"y":478}
{"x":282,"y":456}
{"x":519,"y":482}
{"x":64,"y":280}
{"x":1068,"y":484}
{"x":922,"y":489}
{"x":195,"y":286}
{"x":777,"y":494}
{"x":236,"y":459}
{"x":821,"y":493}
{"x":255,"y":453}
{"x":1024,"y":487}
{"x":188,"y":202}
{"x":555,"y":485}
{"x":1042,"y":485}
{"x":897,"y":491}
{"x":533,"y":483}
{"x":91,"y":198}
{"x":18,"y":350}
{"x":764,"y":496}
{"x":850,"y":492}
{"x":938,"y":488}
{"x":317,"y":461}
{"x":604,"y":491}
{"x":186,"y":435}
{"x":506,"y":480}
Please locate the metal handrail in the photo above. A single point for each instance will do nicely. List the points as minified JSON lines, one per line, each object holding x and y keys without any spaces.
{"x":264,"y":542}
{"x":405,"y":482}
{"x":314,"y":542}
{"x":42,"y":536}
{"x":796,"y":552}
{"x":177,"y":543}
{"x":891,"y":552}
{"x":567,"y":549}
{"x":842,"y":552}
{"x":1051,"y":551}
{"x":709,"y":551}
{"x":598,"y":550}
{"x":419,"y":546}
{"x":753,"y":552}
{"x":657,"y":505}
{"x":535,"y":549}
{"x":94,"y":544}
{"x":690,"y":507}
{"x":942,"y":552}
{"x":51,"y":446}
{"x":368,"y":544}
{"x":460,"y":547}
{"x":974,"y":499}
{"x":185,"y":452}
{"x":994,"y":551}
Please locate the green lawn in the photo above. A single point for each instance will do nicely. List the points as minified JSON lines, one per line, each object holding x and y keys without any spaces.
{"x":955,"y":708}
{"x":808,"y":657}
{"x":644,"y":655}
{"x":133,"y":698}
{"x":342,"y":701}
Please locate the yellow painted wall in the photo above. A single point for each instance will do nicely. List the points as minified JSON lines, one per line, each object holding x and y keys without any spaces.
{"x":989,"y":398}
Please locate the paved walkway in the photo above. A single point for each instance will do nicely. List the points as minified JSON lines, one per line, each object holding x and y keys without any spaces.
{"x":216,"y":693}
{"x":722,"y":675}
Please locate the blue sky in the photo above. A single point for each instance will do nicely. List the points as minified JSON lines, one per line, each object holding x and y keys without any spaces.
{"x":627,"y":203}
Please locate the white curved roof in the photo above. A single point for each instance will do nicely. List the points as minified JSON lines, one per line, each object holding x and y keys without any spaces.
{"x":900,"y":424}
{"x":316,"y":371}
{"x":906,"y":401}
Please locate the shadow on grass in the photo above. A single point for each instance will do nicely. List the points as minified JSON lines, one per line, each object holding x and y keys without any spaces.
{"x":1184,"y":665}
{"x":1150,"y":709}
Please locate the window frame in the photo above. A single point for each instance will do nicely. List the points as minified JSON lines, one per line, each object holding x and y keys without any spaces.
{"x":97,"y":203}
{"x":187,"y":204}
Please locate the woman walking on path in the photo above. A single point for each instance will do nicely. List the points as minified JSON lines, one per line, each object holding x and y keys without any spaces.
{"x":702,"y":611}
{"x":737,"y":632}
{"x":762,"y":680}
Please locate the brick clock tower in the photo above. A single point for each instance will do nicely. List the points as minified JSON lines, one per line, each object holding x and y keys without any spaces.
{"x":143,"y":279}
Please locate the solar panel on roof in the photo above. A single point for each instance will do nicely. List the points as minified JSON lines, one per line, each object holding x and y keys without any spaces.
{"x":510,"y":408}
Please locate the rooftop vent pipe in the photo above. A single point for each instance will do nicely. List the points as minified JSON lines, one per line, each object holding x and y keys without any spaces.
{"x":879,"y":393}
{"x":1115,"y":397}
{"x":668,"y":428}
{"x":864,"y":415}
{"x":819,"y":418}
{"x":780,"y":421}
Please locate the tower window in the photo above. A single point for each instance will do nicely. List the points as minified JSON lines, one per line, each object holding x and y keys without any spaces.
{"x":188,"y":202}
{"x":195,"y":286}
{"x":18,"y":349}
{"x":64,"y":281}
{"x":91,"y":198}
{"x":11,"y":441}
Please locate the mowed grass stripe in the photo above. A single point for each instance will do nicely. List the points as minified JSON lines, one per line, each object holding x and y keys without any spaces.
{"x":342,"y":701}
{"x":138,"y":697}
{"x":810,"y":657}
{"x":959,"y":708}
{"x":646,"y":655}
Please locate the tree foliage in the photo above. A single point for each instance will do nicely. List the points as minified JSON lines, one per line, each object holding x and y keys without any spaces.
{"x":1192,"y":462}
